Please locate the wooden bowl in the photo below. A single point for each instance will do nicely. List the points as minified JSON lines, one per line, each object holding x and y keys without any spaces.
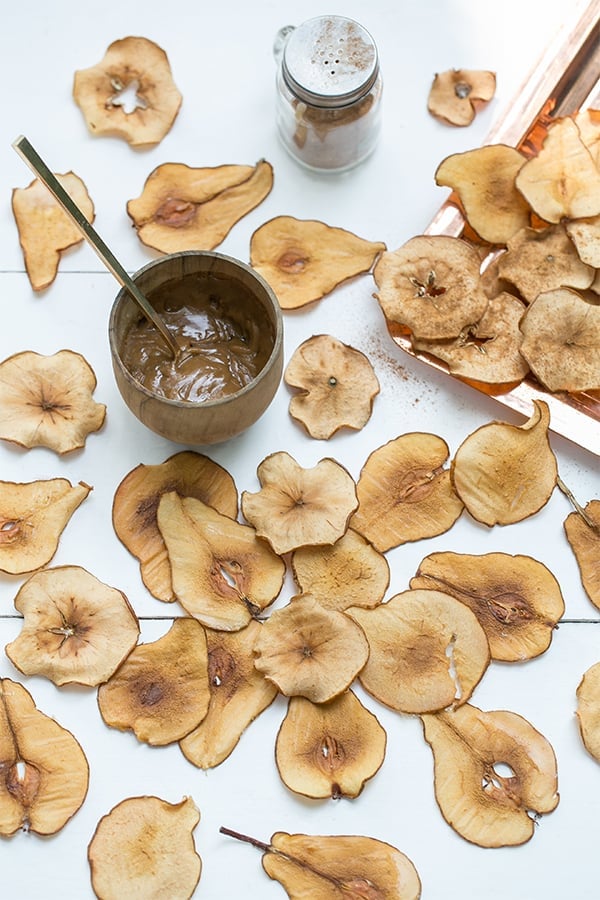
{"x":205,"y":421}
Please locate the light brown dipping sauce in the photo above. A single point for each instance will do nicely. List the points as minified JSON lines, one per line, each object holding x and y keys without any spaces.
{"x":228,"y":332}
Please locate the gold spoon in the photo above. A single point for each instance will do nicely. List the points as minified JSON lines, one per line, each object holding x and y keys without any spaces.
{"x":39,"y":167}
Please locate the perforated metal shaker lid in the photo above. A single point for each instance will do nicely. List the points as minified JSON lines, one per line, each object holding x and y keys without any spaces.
{"x":330,"y":61}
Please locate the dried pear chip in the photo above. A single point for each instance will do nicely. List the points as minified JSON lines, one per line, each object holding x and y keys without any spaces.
{"x":33,"y":516}
{"x":404,"y":492}
{"x":75,"y":628}
{"x":455,"y":95}
{"x":310,"y":651}
{"x":144,"y":847}
{"x":223,"y":575}
{"x":181,"y":208}
{"x":480,"y":803}
{"x":563,"y":180}
{"x":44,"y":773}
{"x":585,"y":544}
{"x":350,"y":572}
{"x":484,"y":180}
{"x":297,"y":507}
{"x":161,"y":690}
{"x":329,"y":749}
{"x":427,"y":651}
{"x":337,"y":386}
{"x":44,"y":228}
{"x":238,"y":694}
{"x":504,"y":473}
{"x":490,"y":350}
{"x":432,"y":286}
{"x":303,"y":259}
{"x":585,"y":234}
{"x":561,"y":341}
{"x":517,"y":600}
{"x":132,"y":65}
{"x":588,"y":710}
{"x":46,"y":401}
{"x":136,"y":502}
{"x":541,"y":260}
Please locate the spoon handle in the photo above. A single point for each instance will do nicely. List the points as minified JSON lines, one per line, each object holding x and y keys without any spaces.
{"x":39,"y":167}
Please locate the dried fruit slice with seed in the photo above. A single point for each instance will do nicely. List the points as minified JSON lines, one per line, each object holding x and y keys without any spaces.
{"x":222,"y":573}
{"x":432,"y":286}
{"x":486,"y":807}
{"x":76,"y":630}
{"x":561,"y":341}
{"x":144,"y":847}
{"x":504,"y":473}
{"x":45,"y":230}
{"x":238,"y":694}
{"x":309,"y":651}
{"x":484,"y":180}
{"x":404,"y":492}
{"x":139,"y":66}
{"x":297,"y":507}
{"x":350,"y":572}
{"x":47,"y":401}
{"x":516,"y":599}
{"x":588,"y":710}
{"x":33,"y":516}
{"x":456,"y":94}
{"x":181,"y":208}
{"x":490,"y":350}
{"x":303,"y":259}
{"x":330,"y":749}
{"x":337,"y":386}
{"x":585,"y":544}
{"x":161,"y":690}
{"x":44,"y":773}
{"x":427,"y":651}
{"x":136,"y":502}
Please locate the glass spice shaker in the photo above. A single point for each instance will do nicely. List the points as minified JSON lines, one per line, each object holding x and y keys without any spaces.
{"x":329,"y":89}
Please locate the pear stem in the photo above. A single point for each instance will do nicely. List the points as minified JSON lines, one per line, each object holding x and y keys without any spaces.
{"x":578,"y":507}
{"x":244,"y":837}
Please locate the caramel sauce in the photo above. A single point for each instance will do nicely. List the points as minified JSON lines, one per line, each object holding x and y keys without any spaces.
{"x":226,"y":333}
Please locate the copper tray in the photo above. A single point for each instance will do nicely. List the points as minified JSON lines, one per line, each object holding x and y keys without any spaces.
{"x":565,"y":79}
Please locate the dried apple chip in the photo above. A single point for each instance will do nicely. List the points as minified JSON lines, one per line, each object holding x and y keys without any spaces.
{"x":136,"y":502}
{"x":404,"y":492}
{"x":516,"y":599}
{"x":427,"y":651}
{"x":44,"y":773}
{"x":238,"y":694}
{"x":456,"y":94}
{"x":585,"y":544}
{"x":504,"y":473}
{"x":588,"y":710}
{"x":350,"y":572}
{"x":303,"y":259}
{"x":480,"y":803}
{"x":33,"y":516}
{"x":432,"y":286}
{"x":181,"y":208}
{"x":585,"y":234}
{"x":297,"y":507}
{"x":484,"y":180}
{"x":45,"y":230}
{"x":222,"y":573}
{"x":161,"y":690}
{"x":332,"y":867}
{"x":561,"y":341}
{"x":47,"y":401}
{"x":132,"y":65}
{"x":310,"y":651}
{"x":337,"y":386}
{"x":329,"y":749}
{"x":144,"y":847}
{"x":490,"y":350}
{"x":76,"y":630}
